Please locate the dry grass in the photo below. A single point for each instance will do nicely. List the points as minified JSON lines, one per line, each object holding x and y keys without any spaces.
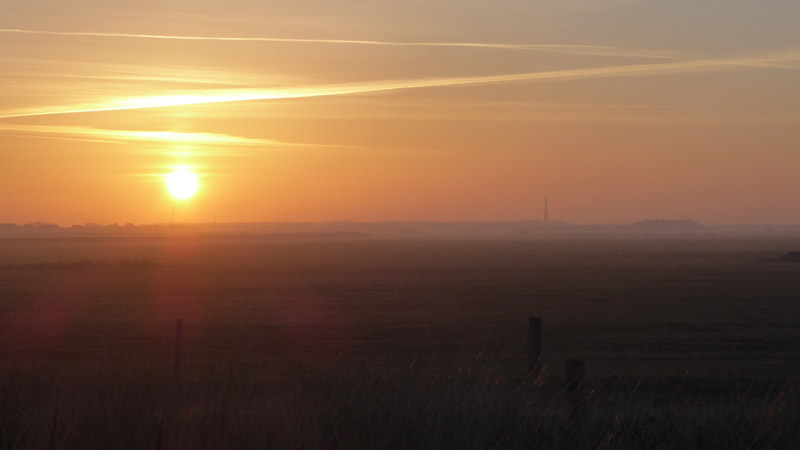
{"x":464,"y":405}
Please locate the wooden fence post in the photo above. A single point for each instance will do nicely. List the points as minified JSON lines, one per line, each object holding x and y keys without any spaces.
{"x":575,"y":375}
{"x":54,"y":429}
{"x":178,"y":346}
{"x":576,"y":372}
{"x":160,"y":432}
{"x":534,"y":344}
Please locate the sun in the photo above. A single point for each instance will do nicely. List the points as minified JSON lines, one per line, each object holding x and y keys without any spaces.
{"x":182,"y":183}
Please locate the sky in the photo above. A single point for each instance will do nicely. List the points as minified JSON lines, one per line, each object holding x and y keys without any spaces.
{"x":318,"y":110}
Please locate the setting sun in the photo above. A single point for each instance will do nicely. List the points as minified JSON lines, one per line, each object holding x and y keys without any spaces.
{"x":182,"y":183}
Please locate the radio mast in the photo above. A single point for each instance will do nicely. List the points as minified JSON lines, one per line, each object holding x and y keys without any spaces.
{"x":546,"y":217}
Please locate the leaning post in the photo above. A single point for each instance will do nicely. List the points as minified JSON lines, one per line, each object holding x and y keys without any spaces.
{"x":178,"y":346}
{"x":534,"y":344}
{"x":574,"y":385}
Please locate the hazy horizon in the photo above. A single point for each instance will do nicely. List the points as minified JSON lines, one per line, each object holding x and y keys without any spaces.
{"x":399,"y":220}
{"x":522,"y":230}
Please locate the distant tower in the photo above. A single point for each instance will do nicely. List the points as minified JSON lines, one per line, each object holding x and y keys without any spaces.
{"x":546,"y":217}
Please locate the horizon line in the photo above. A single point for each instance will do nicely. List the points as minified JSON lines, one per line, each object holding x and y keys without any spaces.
{"x":42,"y":224}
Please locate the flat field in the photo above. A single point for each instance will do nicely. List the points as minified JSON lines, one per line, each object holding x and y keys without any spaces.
{"x":382,"y":323}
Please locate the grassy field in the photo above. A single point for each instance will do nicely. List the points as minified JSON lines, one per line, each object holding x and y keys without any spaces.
{"x":397,"y":344}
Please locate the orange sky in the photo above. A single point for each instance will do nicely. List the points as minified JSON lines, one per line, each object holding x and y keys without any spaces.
{"x":439,"y":110}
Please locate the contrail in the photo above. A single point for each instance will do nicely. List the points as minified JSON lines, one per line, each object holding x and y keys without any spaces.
{"x":121,"y":136}
{"x":238,"y":95}
{"x":596,"y":50}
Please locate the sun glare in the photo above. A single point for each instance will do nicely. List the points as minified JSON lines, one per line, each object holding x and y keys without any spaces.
{"x":182,"y":183}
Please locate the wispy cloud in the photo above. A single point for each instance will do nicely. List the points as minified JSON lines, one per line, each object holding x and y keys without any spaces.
{"x":238,"y":95}
{"x":595,"y":50}
{"x":30,"y":67}
{"x":124,"y":136}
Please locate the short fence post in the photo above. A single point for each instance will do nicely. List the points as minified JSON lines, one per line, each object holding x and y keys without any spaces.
{"x":54,"y":429}
{"x":534,"y":344}
{"x":574,"y":384}
{"x":178,"y":345}
{"x":160,"y":432}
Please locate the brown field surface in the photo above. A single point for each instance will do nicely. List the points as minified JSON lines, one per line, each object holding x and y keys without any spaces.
{"x":431,"y":335}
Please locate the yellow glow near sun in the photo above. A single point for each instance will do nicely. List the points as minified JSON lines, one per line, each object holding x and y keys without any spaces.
{"x":182,"y":183}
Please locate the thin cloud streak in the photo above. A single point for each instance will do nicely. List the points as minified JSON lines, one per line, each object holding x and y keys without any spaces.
{"x":238,"y":95}
{"x":124,"y":78}
{"x":124,"y":136}
{"x":593,"y":50}
{"x":27,"y":68}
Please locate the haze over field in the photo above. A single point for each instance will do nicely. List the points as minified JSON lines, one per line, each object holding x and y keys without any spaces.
{"x":618,"y":111}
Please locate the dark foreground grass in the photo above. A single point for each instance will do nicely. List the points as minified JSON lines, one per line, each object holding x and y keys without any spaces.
{"x":449,"y":405}
{"x":86,"y":348}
